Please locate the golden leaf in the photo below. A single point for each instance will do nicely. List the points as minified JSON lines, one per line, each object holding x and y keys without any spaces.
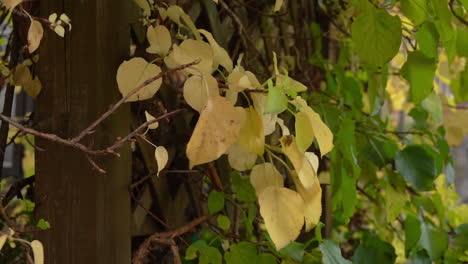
{"x":162,"y":157}
{"x":189,"y":51}
{"x":220,"y":55}
{"x":135,"y":72}
{"x":251,"y":135}
{"x":240,"y":159}
{"x":265,"y":175}
{"x":149,"y":117}
{"x":216,"y":130}
{"x":304,"y":131}
{"x":11,"y":4}
{"x":303,"y":167}
{"x":159,"y":39}
{"x":35,"y":34}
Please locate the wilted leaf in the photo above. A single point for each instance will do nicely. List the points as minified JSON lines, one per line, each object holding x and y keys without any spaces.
{"x":251,"y":135}
{"x":149,"y":117}
{"x":189,"y":51}
{"x":216,"y":130}
{"x":265,"y":175}
{"x":135,"y":72}
{"x":220,"y":55}
{"x":283,"y":212}
{"x":162,"y":157}
{"x":11,"y":4}
{"x":35,"y":34}
{"x":239,"y":158}
{"x":197,"y":89}
{"x":321,"y":131}
{"x":38,"y":251}
{"x":159,"y":39}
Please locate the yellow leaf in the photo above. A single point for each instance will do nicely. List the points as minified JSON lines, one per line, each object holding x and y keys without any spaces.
{"x":251,"y":135}
{"x":135,"y":72}
{"x":33,"y":87}
{"x":239,"y":158}
{"x":189,"y":51}
{"x":175,"y":13}
{"x":313,"y":160}
{"x":283,"y":212}
{"x":161,"y":155}
{"x":149,"y":117}
{"x":456,"y":126}
{"x":284,"y":128}
{"x":216,"y":130}
{"x":159,"y":39}
{"x":3,"y":239}
{"x":60,"y":31}
{"x":287,"y":82}
{"x":231,"y":96}
{"x":304,"y":131}
{"x":321,"y":131}
{"x":38,"y":251}
{"x":35,"y":34}
{"x":240,"y":80}
{"x":11,"y":4}
{"x":312,"y":204}
{"x":278,"y":4}
{"x":220,"y":55}
{"x":265,"y":175}
{"x":22,"y":75}
{"x":197,"y":89}
{"x":303,"y":167}
{"x":269,"y":120}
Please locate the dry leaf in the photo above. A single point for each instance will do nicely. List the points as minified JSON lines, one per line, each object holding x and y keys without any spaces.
{"x":159,"y":39}
{"x":241,"y":159}
{"x":135,"y":72}
{"x":220,"y":55}
{"x":283,"y":212}
{"x":161,"y":155}
{"x":35,"y":34}
{"x":321,"y":131}
{"x":265,"y":175}
{"x":11,"y":4}
{"x":251,"y":135}
{"x":197,"y":89}
{"x":216,"y":130}
{"x":149,"y":117}
{"x":38,"y":251}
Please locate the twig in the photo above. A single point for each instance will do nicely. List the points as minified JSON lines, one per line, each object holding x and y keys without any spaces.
{"x":113,"y":108}
{"x":461,"y":19}
{"x":166,"y":238}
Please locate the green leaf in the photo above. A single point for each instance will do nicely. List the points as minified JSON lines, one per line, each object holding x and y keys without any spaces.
{"x":394,"y":202}
{"x":266,"y":258}
{"x":193,"y":249}
{"x":433,"y":240}
{"x":215,"y":202}
{"x":462,"y":41}
{"x":241,"y":253}
{"x":412,"y":231}
{"x":374,"y":250}
{"x":417,"y":166}
{"x":294,"y":250}
{"x":415,"y":10}
{"x":210,"y":255}
{"x":433,"y":105}
{"x":376,"y":36}
{"x":419,"y":70}
{"x":421,"y":257}
{"x":428,"y":39}
{"x":276,"y":101}
{"x":461,"y":238}
{"x":459,"y":86}
{"x":223,"y":222}
{"x":43,"y":224}
{"x":244,"y":191}
{"x":332,"y":253}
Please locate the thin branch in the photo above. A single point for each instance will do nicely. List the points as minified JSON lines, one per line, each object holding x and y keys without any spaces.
{"x":461,"y":19}
{"x":113,"y":108}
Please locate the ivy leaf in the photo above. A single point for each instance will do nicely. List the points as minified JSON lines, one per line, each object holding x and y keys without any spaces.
{"x":215,"y":202}
{"x":198,"y":88}
{"x":216,"y":130}
{"x":376,"y":36}
{"x":374,"y":250}
{"x":417,"y":166}
{"x":135,"y":72}
{"x":415,"y":10}
{"x":331,"y":253}
{"x":35,"y":34}
{"x":276,"y":101}
{"x":162,"y":157}
{"x":241,"y":253}
{"x":433,"y":240}
{"x":159,"y":39}
{"x":265,"y":175}
{"x":38,"y":251}
{"x":419,"y":70}
{"x":283,"y":212}
{"x":251,"y":135}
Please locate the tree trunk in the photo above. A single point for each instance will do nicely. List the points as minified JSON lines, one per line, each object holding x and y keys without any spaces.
{"x":89,"y":212}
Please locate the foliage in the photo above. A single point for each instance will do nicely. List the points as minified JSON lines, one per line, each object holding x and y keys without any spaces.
{"x":301,"y":113}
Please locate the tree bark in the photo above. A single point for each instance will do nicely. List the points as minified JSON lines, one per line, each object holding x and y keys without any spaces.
{"x":89,"y":212}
